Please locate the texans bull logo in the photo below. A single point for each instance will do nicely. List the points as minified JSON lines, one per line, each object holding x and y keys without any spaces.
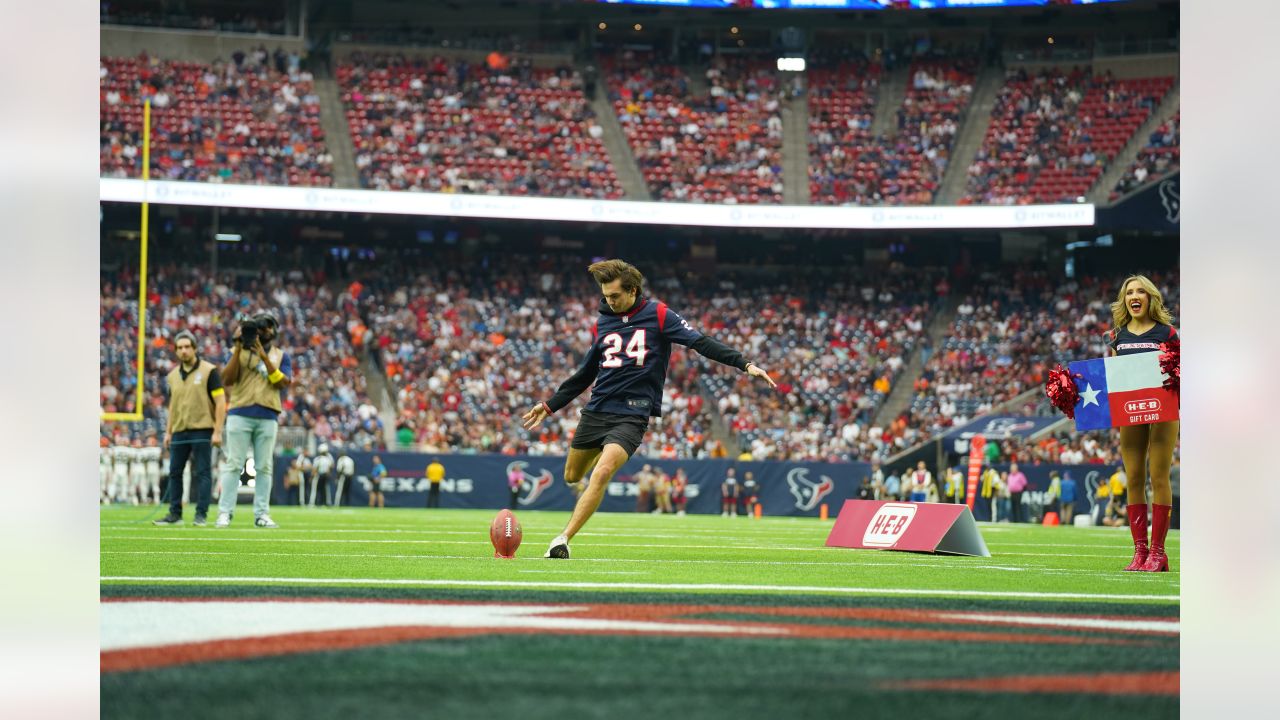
{"x":807,"y":492}
{"x":532,"y":485}
{"x":1171,"y":198}
{"x":1007,"y":426}
{"x":1091,"y":482}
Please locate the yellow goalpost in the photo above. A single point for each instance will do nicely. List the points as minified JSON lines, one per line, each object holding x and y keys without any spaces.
{"x":136,"y":415}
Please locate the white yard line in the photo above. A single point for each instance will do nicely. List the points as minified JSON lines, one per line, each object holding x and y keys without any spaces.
{"x":691,"y":587}
{"x":592,"y":572}
{"x":941,"y":564}
{"x":938,"y":564}
{"x":1171,"y":625}
{"x":627,"y":532}
{"x":270,"y":536}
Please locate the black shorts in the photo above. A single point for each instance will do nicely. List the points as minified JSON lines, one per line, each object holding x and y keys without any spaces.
{"x":597,"y":429}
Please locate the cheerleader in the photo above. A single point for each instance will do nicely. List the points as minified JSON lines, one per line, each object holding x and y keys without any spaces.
{"x":1141,"y":324}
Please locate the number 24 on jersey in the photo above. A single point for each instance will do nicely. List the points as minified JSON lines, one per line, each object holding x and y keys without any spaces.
{"x":635,"y":349}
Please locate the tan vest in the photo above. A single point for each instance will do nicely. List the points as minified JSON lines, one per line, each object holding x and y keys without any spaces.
{"x":190,"y":406}
{"x":252,"y":386}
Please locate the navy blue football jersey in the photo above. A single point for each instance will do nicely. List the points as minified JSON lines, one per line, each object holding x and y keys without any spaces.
{"x":1125,"y":342}
{"x":628,"y":359}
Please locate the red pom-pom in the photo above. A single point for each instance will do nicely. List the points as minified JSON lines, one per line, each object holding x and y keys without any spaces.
{"x":1062,"y":392}
{"x":1171,"y":364}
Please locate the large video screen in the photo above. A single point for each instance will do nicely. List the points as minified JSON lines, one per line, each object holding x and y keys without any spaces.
{"x":853,"y":4}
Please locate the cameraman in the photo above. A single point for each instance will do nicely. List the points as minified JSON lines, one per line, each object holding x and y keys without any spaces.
{"x":256,"y":376}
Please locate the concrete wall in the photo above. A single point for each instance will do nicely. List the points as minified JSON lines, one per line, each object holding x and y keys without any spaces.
{"x":187,"y":45}
{"x":1129,"y":66}
{"x":1122,"y":66}
{"x":341,"y":50}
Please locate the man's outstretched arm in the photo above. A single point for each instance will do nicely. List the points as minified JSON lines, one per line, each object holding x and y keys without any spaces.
{"x":568,"y":390}
{"x":713,"y":349}
{"x":678,"y":331}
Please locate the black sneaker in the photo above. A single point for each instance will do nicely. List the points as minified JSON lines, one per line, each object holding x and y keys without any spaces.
{"x":200,"y":521}
{"x":169,"y":520}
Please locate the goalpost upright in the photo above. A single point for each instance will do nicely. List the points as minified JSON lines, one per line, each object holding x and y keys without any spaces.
{"x":136,"y":415}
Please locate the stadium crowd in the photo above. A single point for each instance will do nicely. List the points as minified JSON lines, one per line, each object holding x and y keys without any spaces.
{"x":501,"y":126}
{"x":722,"y":144}
{"x":329,"y":400}
{"x":1156,"y":160}
{"x":252,"y":119}
{"x":834,"y":342}
{"x":1052,"y":134}
{"x":842,"y":99}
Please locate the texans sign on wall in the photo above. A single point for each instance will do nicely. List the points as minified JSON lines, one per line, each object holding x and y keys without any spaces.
{"x":480,"y":481}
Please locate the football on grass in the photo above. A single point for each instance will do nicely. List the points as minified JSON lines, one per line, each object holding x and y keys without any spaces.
{"x":505,"y":534}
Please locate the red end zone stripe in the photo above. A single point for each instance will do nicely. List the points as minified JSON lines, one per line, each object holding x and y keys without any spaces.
{"x":673,"y":616}
{"x":1148,"y":683}
{"x":293,"y":643}
{"x":245,"y":648}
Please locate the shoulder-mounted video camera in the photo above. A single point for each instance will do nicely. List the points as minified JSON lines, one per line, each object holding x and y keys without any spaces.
{"x":261,"y":326}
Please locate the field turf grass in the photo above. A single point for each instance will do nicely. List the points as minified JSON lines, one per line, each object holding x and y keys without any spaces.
{"x":405,"y":613}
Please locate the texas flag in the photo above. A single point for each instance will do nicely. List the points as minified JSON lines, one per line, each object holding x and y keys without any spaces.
{"x":1124,"y":390}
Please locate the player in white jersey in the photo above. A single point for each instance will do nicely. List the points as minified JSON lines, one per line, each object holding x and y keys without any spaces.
{"x":104,"y":472}
{"x":151,"y":466}
{"x":321,"y":475}
{"x":346,"y":472}
{"x":121,"y":456}
{"x":303,"y":465}
{"x":137,"y":474}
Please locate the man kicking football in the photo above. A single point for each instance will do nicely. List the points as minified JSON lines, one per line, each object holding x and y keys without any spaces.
{"x":628,"y":362}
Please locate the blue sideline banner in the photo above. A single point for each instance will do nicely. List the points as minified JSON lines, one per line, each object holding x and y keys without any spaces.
{"x":480,"y":482}
{"x":999,"y":427}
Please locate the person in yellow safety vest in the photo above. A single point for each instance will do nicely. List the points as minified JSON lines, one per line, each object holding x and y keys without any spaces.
{"x":435,"y":473}
{"x":1054,"y":494}
{"x":990,"y":478}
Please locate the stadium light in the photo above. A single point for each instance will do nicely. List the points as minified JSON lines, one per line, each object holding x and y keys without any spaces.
{"x":791,"y":64}
{"x":227,"y":237}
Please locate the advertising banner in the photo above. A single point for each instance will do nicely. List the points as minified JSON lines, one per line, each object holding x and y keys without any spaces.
{"x":480,"y":481}
{"x":916,"y":527}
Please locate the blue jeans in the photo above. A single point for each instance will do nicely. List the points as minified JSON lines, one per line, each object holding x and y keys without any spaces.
{"x":243,"y":433}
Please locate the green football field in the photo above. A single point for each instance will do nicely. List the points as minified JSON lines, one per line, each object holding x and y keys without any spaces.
{"x":389,"y":613}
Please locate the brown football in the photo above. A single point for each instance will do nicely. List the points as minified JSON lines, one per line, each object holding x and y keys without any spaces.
{"x":505,"y":534}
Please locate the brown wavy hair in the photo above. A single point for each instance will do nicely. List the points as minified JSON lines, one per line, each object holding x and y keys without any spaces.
{"x":1155,"y":303}
{"x":606,"y":271}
